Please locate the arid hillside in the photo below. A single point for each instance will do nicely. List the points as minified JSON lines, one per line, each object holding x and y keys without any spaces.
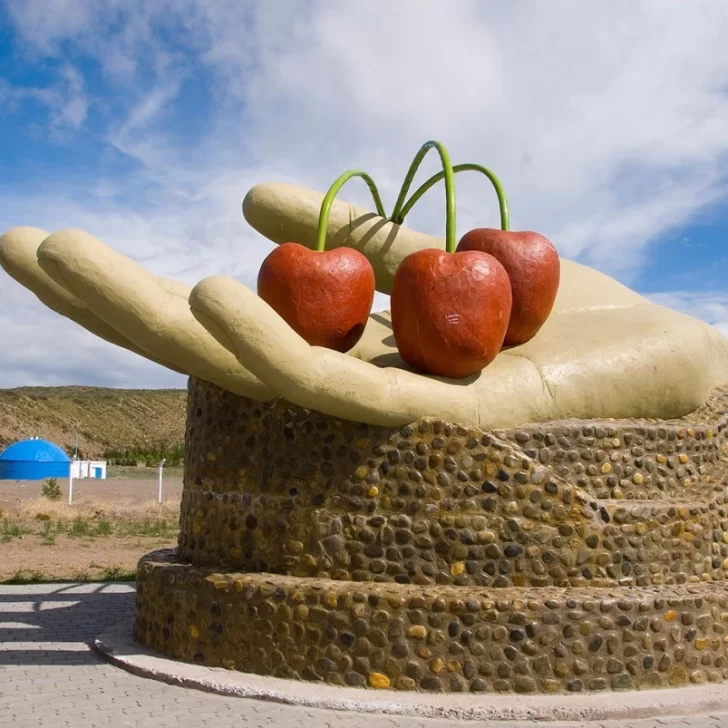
{"x":103,"y":418}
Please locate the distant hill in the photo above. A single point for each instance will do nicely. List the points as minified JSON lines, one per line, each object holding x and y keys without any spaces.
{"x":105,"y":419}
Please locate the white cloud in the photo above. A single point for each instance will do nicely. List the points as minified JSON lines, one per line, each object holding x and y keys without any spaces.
{"x":605,"y":121}
{"x":65,"y":100}
{"x":72,"y":106}
{"x":42,"y":24}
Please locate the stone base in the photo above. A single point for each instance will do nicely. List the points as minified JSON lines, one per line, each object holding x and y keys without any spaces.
{"x":434,"y":638}
{"x":278,"y":489}
{"x":558,"y":556}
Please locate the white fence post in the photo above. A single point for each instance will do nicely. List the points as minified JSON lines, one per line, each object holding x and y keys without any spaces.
{"x":161,"y":468}
{"x":70,"y":485}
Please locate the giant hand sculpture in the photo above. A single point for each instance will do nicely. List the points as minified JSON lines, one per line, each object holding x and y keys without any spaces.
{"x":371,"y":552}
{"x":605,"y":351}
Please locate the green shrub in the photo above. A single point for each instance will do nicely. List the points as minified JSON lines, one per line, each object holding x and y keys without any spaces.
{"x":51,"y":489}
{"x":116,"y":573}
{"x":49,"y":538}
{"x":26,"y":577}
{"x":149,"y":455}
{"x":158,"y":528}
{"x":79,"y":528}
{"x":12,"y":529}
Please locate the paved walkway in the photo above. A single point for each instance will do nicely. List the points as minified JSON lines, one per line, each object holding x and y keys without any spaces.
{"x":50,"y":677}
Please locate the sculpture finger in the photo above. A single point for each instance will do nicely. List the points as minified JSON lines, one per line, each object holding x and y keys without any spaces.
{"x":140,"y":307}
{"x":341,"y":385}
{"x":19,"y":258}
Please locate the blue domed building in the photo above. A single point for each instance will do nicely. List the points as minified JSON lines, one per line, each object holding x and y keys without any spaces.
{"x":34,"y":459}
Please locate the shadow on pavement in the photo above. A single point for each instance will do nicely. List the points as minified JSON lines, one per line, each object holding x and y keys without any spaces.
{"x":45,"y":625}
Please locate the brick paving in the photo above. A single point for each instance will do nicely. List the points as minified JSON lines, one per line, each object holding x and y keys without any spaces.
{"x":50,"y":677}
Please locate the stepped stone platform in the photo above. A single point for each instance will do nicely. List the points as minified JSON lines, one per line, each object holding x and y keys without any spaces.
{"x":561,"y":556}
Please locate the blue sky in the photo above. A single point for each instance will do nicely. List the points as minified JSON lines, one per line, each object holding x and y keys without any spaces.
{"x":146,"y":124}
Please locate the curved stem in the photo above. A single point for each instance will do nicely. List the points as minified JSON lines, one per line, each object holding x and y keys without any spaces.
{"x":447,"y":173}
{"x":323,"y":221}
{"x":500,"y":192}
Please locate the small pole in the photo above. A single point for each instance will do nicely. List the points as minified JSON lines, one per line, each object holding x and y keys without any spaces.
{"x":70,"y":485}
{"x":161,"y":468}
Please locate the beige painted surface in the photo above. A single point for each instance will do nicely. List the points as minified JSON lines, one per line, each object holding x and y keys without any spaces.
{"x":604,"y":352}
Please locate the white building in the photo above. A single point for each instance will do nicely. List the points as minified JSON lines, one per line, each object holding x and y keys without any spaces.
{"x":81,"y":469}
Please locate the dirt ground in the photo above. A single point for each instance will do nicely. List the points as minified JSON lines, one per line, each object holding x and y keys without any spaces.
{"x":26,"y":558}
{"x":110,"y":525}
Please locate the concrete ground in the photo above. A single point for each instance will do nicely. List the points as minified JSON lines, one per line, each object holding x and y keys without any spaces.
{"x":50,"y":677}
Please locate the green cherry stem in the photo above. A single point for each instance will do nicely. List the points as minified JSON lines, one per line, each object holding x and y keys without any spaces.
{"x":500,"y":192}
{"x":447,"y":173}
{"x":323,"y":221}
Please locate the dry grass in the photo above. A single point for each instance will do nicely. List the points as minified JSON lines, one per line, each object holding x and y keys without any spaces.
{"x":39,"y":509}
{"x":49,"y":520}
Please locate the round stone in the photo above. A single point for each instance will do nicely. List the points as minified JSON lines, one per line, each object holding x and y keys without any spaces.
{"x":379,"y":680}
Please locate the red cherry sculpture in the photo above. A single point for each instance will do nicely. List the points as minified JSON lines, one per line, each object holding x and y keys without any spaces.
{"x":533,"y":267}
{"x":450,"y":311}
{"x":325,"y":297}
